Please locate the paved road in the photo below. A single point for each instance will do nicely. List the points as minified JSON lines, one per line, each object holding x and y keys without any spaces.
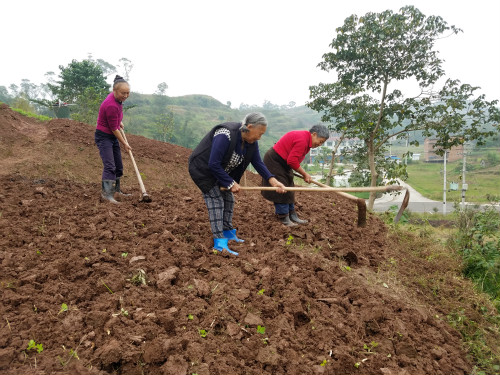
{"x":417,"y":203}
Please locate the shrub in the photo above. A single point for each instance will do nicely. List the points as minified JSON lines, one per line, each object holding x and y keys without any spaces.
{"x":478,"y":241}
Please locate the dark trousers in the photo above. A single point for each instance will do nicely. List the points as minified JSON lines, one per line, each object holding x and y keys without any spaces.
{"x":109,"y":149}
{"x":284,"y":208}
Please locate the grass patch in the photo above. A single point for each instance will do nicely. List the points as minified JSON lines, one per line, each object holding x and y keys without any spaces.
{"x":32,"y":115}
{"x":427,"y":179}
{"x":422,"y":261}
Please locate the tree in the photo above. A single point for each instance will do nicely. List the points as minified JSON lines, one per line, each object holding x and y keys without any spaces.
{"x":76,"y":78}
{"x":161,"y":88}
{"x":329,"y":179}
{"x":127,"y":66}
{"x":323,"y":156}
{"x":28,"y":90}
{"x":4,"y":95}
{"x":165,"y":126}
{"x":87,"y":105}
{"x":107,"y":68}
{"x":379,"y":49}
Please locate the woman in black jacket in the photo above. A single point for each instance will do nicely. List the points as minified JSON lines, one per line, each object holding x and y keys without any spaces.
{"x":220,"y":160}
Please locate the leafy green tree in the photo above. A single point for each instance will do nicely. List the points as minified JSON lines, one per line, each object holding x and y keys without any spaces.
{"x":164,"y":125}
{"x":14,"y":89}
{"x":87,"y":105}
{"x":379,"y":49}
{"x":76,"y":78}
{"x":4,"y":95}
{"x":28,"y":89}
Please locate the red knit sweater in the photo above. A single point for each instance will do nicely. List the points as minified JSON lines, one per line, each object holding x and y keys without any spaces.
{"x":294,"y":146}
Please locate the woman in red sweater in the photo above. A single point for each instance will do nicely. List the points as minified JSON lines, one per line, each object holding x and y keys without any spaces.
{"x":283,"y":159}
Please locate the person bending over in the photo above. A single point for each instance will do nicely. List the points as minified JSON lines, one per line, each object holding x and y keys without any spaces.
{"x":219,"y":161}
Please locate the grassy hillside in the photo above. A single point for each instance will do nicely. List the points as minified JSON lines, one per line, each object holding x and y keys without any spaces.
{"x":194,"y":115}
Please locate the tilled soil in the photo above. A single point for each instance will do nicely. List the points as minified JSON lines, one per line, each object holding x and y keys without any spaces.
{"x":136,"y":288}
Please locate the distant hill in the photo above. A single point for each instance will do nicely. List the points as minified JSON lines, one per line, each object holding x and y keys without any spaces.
{"x":194,"y":115}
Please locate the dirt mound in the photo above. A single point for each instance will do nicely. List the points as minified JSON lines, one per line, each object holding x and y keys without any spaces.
{"x":136,"y":289}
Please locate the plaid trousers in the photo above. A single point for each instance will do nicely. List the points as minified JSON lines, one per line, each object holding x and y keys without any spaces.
{"x":220,"y":206}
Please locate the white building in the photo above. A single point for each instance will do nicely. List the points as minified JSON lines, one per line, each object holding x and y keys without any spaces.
{"x":345,"y":145}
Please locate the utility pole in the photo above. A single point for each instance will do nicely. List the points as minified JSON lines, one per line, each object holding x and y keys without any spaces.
{"x":444,"y":184}
{"x":464,"y":185}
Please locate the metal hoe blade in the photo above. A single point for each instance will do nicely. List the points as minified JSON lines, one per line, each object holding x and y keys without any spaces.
{"x":404,"y":204}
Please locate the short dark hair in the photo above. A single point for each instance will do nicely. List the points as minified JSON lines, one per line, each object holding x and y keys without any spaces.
{"x":117,"y":81}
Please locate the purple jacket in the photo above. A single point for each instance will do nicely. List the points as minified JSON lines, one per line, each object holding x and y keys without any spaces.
{"x":110,"y":115}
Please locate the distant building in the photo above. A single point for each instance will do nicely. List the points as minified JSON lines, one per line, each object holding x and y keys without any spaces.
{"x":346,"y":145}
{"x":415,"y":157}
{"x":430,"y":156}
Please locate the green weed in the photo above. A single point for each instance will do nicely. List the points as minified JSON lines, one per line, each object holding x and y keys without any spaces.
{"x":33,"y":345}
{"x":369,"y":347}
{"x":63,"y":308}
{"x":203,"y":333}
{"x":139,"y":278}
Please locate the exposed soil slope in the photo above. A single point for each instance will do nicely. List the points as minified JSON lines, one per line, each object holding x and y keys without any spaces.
{"x":298,"y":301}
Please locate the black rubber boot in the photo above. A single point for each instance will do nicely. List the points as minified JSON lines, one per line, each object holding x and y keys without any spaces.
{"x":295,"y":218}
{"x":118,"y":189}
{"x":108,"y":191}
{"x":285,"y":220}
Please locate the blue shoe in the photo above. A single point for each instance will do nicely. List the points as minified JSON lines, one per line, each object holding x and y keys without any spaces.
{"x":220,"y":244}
{"x":231,"y":235}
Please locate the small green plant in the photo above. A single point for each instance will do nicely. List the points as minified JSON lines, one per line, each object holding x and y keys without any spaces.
{"x":345,"y":268}
{"x":109,"y":290}
{"x":63,"y":308}
{"x":357,"y":364}
{"x":289,"y":240}
{"x":33,"y":345}
{"x":123,"y":312}
{"x":369,"y":347}
{"x":324,"y":363}
{"x":203,"y":333}
{"x":72,"y":354}
{"x":124,"y":255}
{"x":42,"y":228}
{"x":261,"y":292}
{"x":139,"y":278}
{"x":190,"y":317}
{"x":261,"y":330}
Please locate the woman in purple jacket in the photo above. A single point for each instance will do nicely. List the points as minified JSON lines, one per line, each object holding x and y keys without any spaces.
{"x":108,"y":138}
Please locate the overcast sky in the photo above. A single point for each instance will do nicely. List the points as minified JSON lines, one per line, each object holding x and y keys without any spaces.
{"x":238,"y":51}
